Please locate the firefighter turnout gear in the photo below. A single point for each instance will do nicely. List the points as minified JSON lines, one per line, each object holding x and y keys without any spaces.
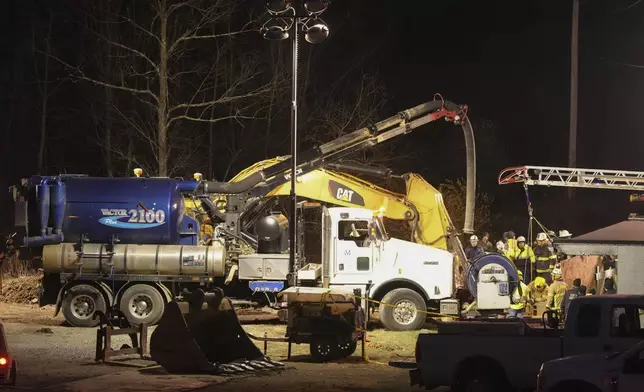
{"x":538,"y":290}
{"x":556,"y":291}
{"x":523,"y":257}
{"x":545,"y":257}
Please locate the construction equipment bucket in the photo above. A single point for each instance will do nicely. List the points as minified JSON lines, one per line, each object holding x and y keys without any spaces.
{"x":205,"y":341}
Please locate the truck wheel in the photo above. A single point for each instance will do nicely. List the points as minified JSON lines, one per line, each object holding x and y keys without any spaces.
{"x":80,"y":303}
{"x":324,"y":349}
{"x":479,"y":382}
{"x":346,"y":348}
{"x":403,"y":310}
{"x":13,"y":373}
{"x":142,"y":304}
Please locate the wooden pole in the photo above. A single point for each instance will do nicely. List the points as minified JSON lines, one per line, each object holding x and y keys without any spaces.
{"x":574,"y":75}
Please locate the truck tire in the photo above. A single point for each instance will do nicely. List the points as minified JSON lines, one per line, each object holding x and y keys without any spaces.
{"x":399,"y":310}
{"x":142,"y":304}
{"x":13,"y":373}
{"x":80,"y":303}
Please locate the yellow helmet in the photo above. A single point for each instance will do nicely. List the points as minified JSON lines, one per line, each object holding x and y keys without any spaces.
{"x":540,"y":282}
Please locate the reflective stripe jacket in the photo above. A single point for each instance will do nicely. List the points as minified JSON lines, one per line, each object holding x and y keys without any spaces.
{"x":556,"y":293}
{"x":524,"y":255}
{"x":545,"y":258}
{"x":520,"y":299}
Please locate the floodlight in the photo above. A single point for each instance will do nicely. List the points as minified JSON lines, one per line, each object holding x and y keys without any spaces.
{"x":278,"y":6}
{"x":316,"y":6}
{"x":317,"y":32}
{"x":274,"y":31}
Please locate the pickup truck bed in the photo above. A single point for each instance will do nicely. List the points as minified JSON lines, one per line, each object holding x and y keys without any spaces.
{"x":503,"y":354}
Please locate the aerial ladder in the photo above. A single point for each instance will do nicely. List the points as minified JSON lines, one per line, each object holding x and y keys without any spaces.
{"x":567,"y":177}
{"x":573,"y":178}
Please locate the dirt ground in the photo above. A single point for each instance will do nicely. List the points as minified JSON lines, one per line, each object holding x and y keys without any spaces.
{"x":52,"y":356}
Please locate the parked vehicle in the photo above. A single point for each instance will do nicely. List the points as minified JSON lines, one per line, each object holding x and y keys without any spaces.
{"x":507,"y":354}
{"x":599,"y":372}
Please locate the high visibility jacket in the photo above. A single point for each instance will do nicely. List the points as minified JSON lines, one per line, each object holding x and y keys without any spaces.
{"x":522,"y":256}
{"x":545,"y":258}
{"x":538,"y":295}
{"x":520,"y":297}
{"x":556,"y":293}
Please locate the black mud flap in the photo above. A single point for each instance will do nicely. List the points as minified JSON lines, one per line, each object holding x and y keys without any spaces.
{"x":208,"y":341}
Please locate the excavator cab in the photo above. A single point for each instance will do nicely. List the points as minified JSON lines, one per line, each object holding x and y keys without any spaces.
{"x":210,"y":340}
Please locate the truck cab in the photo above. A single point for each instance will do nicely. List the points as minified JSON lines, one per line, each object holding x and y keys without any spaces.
{"x":619,"y":366}
{"x":358,"y":252}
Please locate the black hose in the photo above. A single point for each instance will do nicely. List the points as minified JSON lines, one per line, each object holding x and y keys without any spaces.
{"x":232,"y":187}
{"x":470,"y":193}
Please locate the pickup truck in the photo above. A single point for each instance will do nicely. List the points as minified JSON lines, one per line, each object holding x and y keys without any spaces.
{"x":500,"y":355}
{"x":600,"y":372}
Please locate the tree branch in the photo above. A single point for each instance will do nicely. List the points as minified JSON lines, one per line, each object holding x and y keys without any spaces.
{"x":82,"y":76}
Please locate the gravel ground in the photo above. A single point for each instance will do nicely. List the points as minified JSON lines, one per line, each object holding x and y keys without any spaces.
{"x":55,"y":357}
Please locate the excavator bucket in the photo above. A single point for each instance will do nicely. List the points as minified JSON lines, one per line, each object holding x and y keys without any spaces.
{"x":208,"y":341}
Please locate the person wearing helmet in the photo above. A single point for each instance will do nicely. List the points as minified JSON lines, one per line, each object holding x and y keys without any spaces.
{"x":500,"y":248}
{"x":520,"y":298}
{"x":474,"y":250}
{"x":538,"y":290}
{"x":523,"y":258}
{"x":556,"y":291}
{"x":545,"y":257}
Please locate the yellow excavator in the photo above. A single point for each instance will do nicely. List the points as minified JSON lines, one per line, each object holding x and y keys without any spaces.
{"x":421,"y":207}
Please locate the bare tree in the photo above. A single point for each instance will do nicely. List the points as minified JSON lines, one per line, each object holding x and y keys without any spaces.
{"x":43,"y":87}
{"x":349,"y":106}
{"x":165,"y":59}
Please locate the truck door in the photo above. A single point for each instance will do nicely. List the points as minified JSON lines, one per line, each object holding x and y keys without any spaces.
{"x":630,"y":376}
{"x":354,"y":251}
{"x":610,"y":328}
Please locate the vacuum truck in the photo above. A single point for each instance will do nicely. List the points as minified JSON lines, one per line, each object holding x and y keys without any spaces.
{"x":128,"y":244}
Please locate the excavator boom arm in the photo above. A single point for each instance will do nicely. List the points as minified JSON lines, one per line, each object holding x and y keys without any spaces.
{"x":399,"y":124}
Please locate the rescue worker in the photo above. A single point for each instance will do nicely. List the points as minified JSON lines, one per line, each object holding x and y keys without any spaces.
{"x":485,"y":243}
{"x":538,"y":290}
{"x":571,"y":294}
{"x":500,"y":248}
{"x":523,"y":258}
{"x":519,"y":299}
{"x":609,"y":286}
{"x":556,"y":291}
{"x":474,"y":250}
{"x":545,"y":257}
{"x":510,"y":242}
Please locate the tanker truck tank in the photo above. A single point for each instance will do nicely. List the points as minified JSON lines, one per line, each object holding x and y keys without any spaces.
{"x":136,"y":210}
{"x":136,"y":259}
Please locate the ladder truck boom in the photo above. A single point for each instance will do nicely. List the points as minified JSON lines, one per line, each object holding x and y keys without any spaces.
{"x":573,"y":177}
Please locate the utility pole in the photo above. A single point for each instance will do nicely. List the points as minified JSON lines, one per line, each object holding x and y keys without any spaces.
{"x":574,"y":76}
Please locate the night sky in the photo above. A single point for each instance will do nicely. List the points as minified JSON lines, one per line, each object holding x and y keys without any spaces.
{"x":508,"y":60}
